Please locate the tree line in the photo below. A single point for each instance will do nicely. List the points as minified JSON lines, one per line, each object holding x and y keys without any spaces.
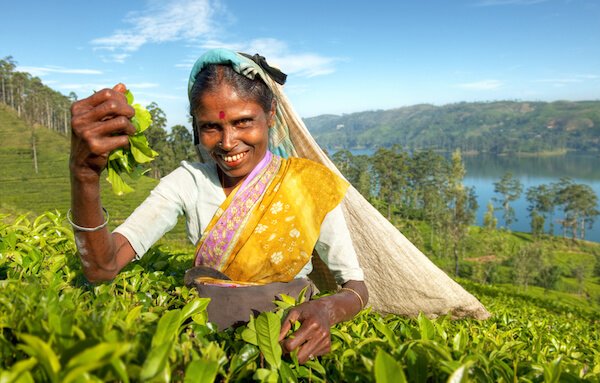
{"x":499,"y":127}
{"x":32,"y":100}
{"x":428,"y":187}
{"x":577,"y":202}
{"x":39,"y":104}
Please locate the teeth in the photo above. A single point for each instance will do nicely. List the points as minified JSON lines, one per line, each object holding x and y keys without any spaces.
{"x":234,"y":157}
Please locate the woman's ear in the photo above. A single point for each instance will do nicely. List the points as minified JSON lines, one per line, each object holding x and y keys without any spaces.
{"x":272,"y":113}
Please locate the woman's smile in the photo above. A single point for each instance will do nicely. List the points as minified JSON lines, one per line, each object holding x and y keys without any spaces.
{"x":233,"y":160}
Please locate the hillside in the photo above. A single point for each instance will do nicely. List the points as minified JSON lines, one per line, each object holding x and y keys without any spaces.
{"x":493,"y":127}
{"x":22,"y":190}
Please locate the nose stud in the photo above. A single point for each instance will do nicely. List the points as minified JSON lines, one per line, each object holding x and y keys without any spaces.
{"x":219,"y":144}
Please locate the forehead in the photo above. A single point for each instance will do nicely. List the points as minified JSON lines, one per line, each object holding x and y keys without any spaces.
{"x":225,"y":100}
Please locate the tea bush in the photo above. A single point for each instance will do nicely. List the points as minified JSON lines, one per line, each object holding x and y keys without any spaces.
{"x":146,"y":326}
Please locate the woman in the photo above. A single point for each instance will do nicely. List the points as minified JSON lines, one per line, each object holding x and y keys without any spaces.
{"x":260,"y":215}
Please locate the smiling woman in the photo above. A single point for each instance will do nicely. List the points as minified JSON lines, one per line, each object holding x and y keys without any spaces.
{"x":266,"y":199}
{"x":255,"y":216}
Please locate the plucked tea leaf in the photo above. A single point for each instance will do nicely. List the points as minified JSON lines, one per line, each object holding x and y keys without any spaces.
{"x":127,"y":161}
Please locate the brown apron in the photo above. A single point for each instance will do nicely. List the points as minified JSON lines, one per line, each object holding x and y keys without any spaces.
{"x":232,"y":306}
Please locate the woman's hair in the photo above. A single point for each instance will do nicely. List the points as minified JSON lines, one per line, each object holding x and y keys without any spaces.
{"x":215,"y":75}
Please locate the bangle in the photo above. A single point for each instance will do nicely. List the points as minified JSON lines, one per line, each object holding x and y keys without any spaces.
{"x":362,"y":303}
{"x":88,"y":229}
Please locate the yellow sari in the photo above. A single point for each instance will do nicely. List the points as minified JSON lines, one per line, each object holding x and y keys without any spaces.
{"x":267,"y":231}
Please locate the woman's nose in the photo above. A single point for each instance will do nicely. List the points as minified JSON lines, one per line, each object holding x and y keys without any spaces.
{"x":228,"y":140}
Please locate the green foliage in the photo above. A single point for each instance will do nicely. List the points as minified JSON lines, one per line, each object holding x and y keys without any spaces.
{"x":130,"y":160}
{"x":502,"y":127}
{"x":144,"y":326}
{"x":22,"y":190}
{"x":510,"y":189}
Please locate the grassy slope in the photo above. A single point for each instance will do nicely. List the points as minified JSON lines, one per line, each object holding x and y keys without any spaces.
{"x":22,"y":190}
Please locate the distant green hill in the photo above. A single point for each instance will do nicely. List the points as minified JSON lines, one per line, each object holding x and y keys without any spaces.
{"x":493,"y":127}
{"x":22,"y":190}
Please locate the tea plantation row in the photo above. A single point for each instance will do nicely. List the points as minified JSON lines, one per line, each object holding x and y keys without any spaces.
{"x":144,"y":326}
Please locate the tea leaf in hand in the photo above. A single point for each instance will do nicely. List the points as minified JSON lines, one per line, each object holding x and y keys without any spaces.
{"x":129,"y":160}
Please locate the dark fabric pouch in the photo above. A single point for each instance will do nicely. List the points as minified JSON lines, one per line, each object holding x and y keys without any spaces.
{"x":232,"y":306}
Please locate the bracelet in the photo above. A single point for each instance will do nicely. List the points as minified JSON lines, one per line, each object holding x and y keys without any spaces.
{"x":362,"y":303}
{"x":88,"y":229}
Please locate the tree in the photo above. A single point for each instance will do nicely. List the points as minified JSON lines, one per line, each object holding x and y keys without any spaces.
{"x":429,"y":174}
{"x":579,"y":204}
{"x":390,"y":166}
{"x":489,"y":219}
{"x":510,"y":189}
{"x":541,"y":207}
{"x":526,"y":262}
{"x":182,"y":144}
{"x":462,"y":205}
{"x":157,"y":138}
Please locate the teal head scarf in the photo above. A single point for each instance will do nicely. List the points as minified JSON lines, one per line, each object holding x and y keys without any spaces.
{"x":279,"y":141}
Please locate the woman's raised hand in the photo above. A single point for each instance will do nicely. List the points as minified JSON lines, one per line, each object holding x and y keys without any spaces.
{"x":99,"y":124}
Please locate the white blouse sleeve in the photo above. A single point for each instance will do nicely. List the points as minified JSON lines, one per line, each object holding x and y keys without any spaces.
{"x":336,"y":250}
{"x":159,"y":212}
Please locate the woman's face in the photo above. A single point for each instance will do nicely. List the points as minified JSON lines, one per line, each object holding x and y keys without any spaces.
{"x":234,"y":131}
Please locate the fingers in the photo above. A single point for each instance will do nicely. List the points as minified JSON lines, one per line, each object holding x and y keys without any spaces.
{"x":120,"y":87}
{"x":287,"y":324}
{"x":312,"y":338}
{"x":102,"y":104}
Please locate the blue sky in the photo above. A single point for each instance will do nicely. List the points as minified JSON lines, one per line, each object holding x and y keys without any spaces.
{"x":341,"y":56}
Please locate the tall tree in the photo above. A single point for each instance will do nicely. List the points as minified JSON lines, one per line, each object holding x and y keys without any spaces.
{"x":182,"y":144}
{"x":541,"y":207}
{"x":429,"y":180}
{"x":489,"y":219}
{"x":580,"y":206}
{"x":157,"y":138}
{"x":510,"y":189}
{"x":390,"y":168}
{"x":462,"y":206}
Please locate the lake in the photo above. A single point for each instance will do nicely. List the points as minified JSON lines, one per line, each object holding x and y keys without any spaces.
{"x":484,"y":170}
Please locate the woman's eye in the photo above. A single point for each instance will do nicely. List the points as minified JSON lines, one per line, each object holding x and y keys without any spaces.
{"x":208,"y":127}
{"x":244,"y":122}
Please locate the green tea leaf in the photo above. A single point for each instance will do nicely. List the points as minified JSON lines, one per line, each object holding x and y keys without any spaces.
{"x":267,"y":332}
{"x":156,"y":361}
{"x":168,"y":328}
{"x":139,"y":152}
{"x":42,"y":351}
{"x":201,"y":371}
{"x":119,"y":186}
{"x":249,"y":333}
{"x":387,"y":370}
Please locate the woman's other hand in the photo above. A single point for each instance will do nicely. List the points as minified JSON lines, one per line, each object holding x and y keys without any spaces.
{"x":99,"y":124}
{"x":313,"y":338}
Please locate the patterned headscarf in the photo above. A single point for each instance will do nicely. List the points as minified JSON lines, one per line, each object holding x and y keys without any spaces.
{"x":252,"y":66}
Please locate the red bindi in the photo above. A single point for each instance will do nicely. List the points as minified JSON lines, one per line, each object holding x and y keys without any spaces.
{"x":221,"y":115}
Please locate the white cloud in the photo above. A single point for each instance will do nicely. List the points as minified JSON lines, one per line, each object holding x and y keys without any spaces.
{"x":42,"y":71}
{"x":278,"y":54}
{"x":161,"y":22}
{"x":481,"y":85}
{"x":575,"y":79}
